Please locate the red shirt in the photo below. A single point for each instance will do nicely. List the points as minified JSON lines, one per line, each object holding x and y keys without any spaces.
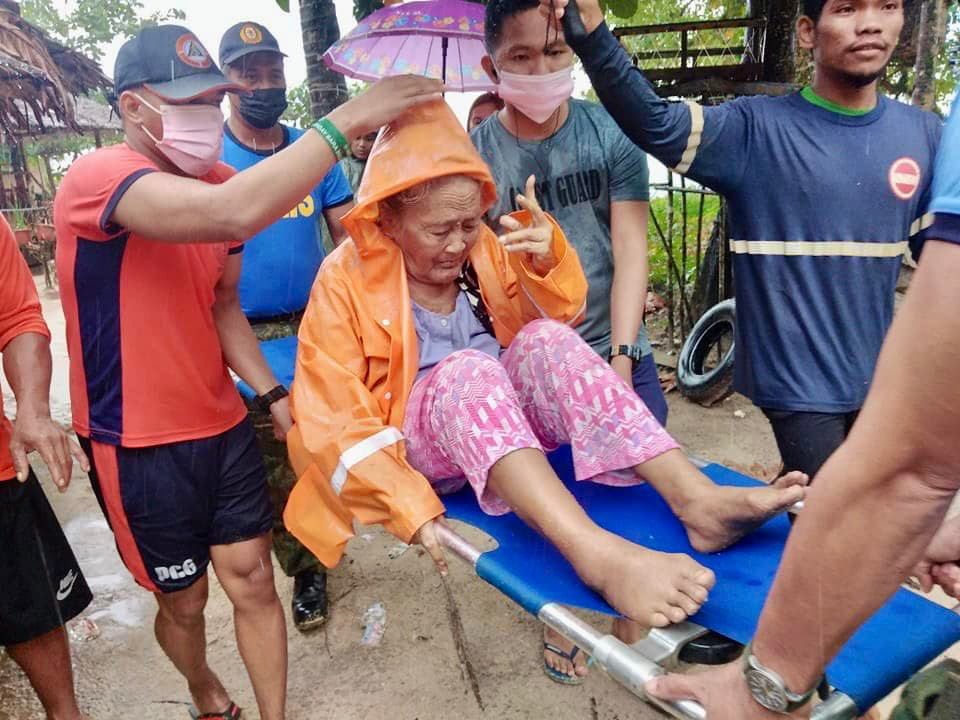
{"x":19,"y":314}
{"x":146,"y":366}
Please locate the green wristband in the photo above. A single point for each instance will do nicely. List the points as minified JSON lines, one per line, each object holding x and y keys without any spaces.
{"x":335,"y":139}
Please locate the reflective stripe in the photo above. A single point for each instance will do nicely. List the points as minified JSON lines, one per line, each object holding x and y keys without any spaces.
{"x":360,"y":452}
{"x":693,"y":141}
{"x":921,"y":223}
{"x":546,"y":315}
{"x":819,"y":249}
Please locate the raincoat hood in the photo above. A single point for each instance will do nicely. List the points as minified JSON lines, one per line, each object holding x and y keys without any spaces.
{"x":424,"y":143}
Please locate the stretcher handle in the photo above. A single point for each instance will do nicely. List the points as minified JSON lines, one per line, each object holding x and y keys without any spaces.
{"x":620,"y":661}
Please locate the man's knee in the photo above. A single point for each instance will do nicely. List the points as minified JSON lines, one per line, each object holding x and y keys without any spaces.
{"x":184,"y":608}
{"x":248,"y":580}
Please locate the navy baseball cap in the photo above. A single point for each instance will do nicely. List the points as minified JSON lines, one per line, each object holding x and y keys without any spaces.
{"x":172,"y":62}
{"x":245,"y":38}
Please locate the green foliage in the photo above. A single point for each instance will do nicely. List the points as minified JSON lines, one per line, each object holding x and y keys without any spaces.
{"x":899,"y":79}
{"x":660,"y":272}
{"x":90,"y":25}
{"x":298,"y":106}
{"x":298,"y":113}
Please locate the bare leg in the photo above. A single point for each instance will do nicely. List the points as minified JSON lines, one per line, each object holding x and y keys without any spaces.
{"x":651,"y":587}
{"x":717,"y":516}
{"x":46,"y":662}
{"x":246,"y":572}
{"x":181,"y":632}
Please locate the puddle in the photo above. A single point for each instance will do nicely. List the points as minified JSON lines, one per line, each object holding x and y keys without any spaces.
{"x":118,"y":603}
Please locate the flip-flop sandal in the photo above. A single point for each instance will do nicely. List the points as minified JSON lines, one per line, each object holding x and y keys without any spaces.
{"x":232,"y":712}
{"x":562,"y":677}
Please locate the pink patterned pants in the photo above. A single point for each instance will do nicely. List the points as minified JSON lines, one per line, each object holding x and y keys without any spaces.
{"x":547,"y":389}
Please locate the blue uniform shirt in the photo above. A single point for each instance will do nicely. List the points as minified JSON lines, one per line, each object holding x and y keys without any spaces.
{"x":945,"y":205}
{"x":821,"y":206}
{"x":281,"y":261}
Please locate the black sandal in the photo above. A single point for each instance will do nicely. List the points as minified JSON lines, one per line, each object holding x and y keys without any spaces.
{"x":232,"y":712}
{"x":562,"y":677}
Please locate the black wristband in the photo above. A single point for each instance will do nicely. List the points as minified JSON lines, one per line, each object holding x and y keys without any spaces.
{"x":263,"y":402}
{"x":634,"y":352}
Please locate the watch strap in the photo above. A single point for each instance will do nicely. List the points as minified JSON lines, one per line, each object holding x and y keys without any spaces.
{"x":634,"y":352}
{"x":795,"y":701}
{"x":263,"y":402}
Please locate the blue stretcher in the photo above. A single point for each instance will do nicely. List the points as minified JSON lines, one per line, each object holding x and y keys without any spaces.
{"x":903,"y":636}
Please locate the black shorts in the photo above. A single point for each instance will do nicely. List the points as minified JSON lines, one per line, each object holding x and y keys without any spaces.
{"x":41,"y":586}
{"x":168,"y":504}
{"x":807,"y":439}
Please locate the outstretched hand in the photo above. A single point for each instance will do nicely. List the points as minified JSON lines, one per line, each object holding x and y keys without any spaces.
{"x":722,"y":692}
{"x":578,"y":18}
{"x":40,"y":433}
{"x":536,"y":239}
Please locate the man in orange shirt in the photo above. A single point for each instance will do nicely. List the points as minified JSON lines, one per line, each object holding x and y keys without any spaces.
{"x":150,"y":236}
{"x":42,"y":584}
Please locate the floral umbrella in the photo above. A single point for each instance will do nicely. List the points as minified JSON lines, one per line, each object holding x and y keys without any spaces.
{"x":437,"y":38}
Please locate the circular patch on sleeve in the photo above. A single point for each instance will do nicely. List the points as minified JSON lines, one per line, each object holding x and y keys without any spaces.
{"x":904,"y":177}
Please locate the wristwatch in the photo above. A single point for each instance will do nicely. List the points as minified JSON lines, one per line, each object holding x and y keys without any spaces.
{"x":769,"y":689}
{"x":634,"y":352}
{"x":263,"y":402}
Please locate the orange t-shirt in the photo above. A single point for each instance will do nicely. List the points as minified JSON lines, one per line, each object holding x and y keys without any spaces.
{"x":19,"y":314}
{"x":146,"y":366}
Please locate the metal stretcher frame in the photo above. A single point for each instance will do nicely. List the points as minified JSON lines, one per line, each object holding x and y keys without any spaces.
{"x":632,"y":666}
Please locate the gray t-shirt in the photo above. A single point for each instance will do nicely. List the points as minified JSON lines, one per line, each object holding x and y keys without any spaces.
{"x":583,"y":167}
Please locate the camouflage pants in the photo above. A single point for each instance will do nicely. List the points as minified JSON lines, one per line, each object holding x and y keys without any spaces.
{"x":293,"y":557}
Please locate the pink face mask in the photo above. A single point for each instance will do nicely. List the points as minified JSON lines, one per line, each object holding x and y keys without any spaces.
{"x":192,"y":136}
{"x":536,"y":96}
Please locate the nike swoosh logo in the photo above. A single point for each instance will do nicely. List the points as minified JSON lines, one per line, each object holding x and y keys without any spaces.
{"x":66,"y":585}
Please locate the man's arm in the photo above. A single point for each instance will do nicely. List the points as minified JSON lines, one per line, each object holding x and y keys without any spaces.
{"x":332,"y":215}
{"x":705,"y":144}
{"x":25,"y":344}
{"x":628,"y":295}
{"x":873,"y":508}
{"x":241,"y":347}
{"x":27,"y":367}
{"x":169,"y":208}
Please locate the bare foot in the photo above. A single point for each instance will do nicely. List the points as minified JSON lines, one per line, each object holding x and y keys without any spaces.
{"x":721,"y":515}
{"x":577,"y":668}
{"x":947,"y":576}
{"x":649,"y":587}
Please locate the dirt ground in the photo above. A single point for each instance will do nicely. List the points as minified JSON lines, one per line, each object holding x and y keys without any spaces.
{"x":415,"y":673}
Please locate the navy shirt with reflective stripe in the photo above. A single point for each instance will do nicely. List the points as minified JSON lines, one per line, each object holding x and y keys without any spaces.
{"x":821,"y":206}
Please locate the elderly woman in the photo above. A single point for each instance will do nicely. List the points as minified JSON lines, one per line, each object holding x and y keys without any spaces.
{"x":434,"y":353}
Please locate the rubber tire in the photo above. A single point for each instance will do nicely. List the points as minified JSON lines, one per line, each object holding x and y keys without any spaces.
{"x":713,"y":385}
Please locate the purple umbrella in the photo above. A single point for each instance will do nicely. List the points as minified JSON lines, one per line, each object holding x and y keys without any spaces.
{"x":437,"y":38}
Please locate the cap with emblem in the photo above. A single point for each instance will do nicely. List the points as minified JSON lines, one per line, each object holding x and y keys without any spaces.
{"x":245,"y":38}
{"x":172,"y":62}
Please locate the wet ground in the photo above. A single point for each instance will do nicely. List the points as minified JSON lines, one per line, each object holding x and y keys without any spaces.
{"x":425,"y":668}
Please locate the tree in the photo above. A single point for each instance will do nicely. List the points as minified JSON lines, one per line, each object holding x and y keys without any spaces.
{"x":92,"y":24}
{"x":318,"y":23}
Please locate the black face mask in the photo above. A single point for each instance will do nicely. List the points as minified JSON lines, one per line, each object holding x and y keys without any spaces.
{"x":263,"y":108}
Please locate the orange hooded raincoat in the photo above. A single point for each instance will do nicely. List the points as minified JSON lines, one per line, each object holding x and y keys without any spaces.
{"x":358,"y":350}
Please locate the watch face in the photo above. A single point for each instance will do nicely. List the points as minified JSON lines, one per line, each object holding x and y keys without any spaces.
{"x":766,"y":690}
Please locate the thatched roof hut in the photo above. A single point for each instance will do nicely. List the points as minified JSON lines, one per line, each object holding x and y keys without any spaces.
{"x":39,"y":77}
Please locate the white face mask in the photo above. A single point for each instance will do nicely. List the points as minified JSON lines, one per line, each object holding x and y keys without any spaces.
{"x":192,"y":136}
{"x":536,"y":96}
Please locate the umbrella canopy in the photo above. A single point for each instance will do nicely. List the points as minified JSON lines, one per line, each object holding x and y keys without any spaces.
{"x":437,"y":38}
